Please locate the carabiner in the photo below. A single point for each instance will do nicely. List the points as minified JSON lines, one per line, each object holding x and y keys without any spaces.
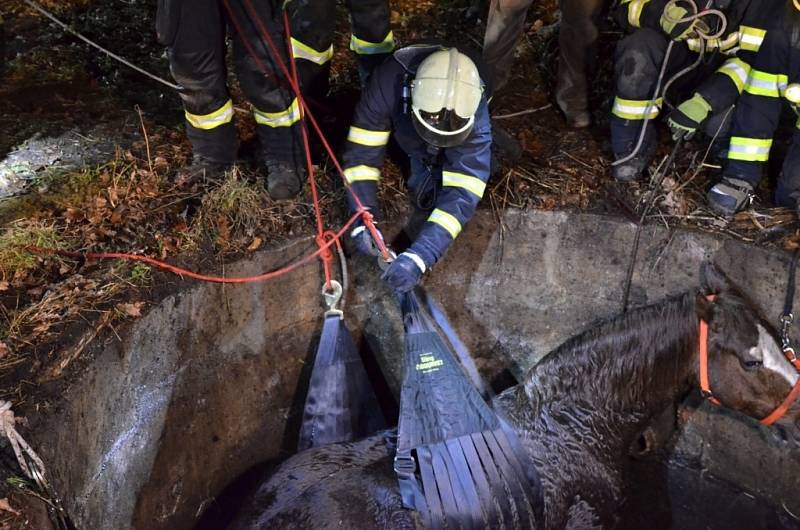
{"x":383,"y":264}
{"x":332,"y":299}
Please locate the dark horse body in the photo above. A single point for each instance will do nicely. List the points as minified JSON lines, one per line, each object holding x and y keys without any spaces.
{"x":577,"y":413}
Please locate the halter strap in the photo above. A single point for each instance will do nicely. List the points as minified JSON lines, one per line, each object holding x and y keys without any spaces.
{"x":705,"y":386}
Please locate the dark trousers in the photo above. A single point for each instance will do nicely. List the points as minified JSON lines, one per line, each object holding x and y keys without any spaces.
{"x":313,"y":23}
{"x":787,"y":192}
{"x":577,"y":41}
{"x":194,"y":32}
{"x":638,"y":62}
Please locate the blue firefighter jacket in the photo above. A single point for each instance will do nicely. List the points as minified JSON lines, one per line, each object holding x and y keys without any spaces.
{"x":464,"y":168}
{"x":775,"y":68}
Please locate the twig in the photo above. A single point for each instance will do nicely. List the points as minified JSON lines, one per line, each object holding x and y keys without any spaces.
{"x":84,"y":341}
{"x":581,"y":162}
{"x":521,"y":112}
{"x":146,"y":141}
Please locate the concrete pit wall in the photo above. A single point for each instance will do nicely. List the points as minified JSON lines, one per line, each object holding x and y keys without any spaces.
{"x":208,"y":383}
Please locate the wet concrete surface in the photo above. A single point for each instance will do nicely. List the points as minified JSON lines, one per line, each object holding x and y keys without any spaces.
{"x":208,"y":383}
{"x":42,"y":156}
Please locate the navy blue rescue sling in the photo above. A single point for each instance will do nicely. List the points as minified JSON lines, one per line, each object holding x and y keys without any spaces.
{"x":459,"y":464}
{"x":341,"y":405}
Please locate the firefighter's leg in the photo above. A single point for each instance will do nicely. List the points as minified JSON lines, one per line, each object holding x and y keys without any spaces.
{"x":372,"y":39}
{"x":718,"y":129}
{"x":577,"y":42}
{"x":196,"y":51}
{"x":503,"y":29}
{"x":638,"y":61}
{"x":787,"y":192}
{"x":312,"y":23}
{"x":277,"y":110}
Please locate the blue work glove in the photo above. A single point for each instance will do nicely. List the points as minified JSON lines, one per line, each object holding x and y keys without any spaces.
{"x":364,"y":242}
{"x":404,"y":273}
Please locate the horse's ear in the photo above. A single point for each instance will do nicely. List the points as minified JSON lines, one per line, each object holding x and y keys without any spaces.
{"x":712,"y":279}
{"x":704,"y":307}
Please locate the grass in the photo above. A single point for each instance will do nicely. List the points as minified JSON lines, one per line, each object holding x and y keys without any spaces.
{"x":140,"y":275}
{"x":234,"y":210}
{"x":14,"y":259}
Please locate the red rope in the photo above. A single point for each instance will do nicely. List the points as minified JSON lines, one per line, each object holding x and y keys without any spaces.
{"x":328,"y":242}
{"x":326,"y":256}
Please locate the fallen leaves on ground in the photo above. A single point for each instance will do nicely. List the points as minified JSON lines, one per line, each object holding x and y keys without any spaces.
{"x":5,"y":506}
{"x":133,"y":310}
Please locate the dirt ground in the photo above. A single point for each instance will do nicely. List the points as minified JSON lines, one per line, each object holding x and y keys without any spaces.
{"x":123,"y":197}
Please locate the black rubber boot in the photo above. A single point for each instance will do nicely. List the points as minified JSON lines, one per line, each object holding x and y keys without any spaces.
{"x":201,"y":170}
{"x":729,"y":196}
{"x":284,"y":179}
{"x":624,"y":138}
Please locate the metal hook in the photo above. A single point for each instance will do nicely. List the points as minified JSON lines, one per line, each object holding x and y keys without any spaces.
{"x":332,"y":299}
{"x":383,"y":264}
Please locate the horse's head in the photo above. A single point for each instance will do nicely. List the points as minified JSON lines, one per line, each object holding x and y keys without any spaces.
{"x":747,"y":369}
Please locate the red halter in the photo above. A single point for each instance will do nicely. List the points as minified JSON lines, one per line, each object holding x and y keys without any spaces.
{"x":705,"y":387}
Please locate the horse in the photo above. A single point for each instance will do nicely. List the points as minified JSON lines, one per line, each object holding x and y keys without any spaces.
{"x":577,"y":413}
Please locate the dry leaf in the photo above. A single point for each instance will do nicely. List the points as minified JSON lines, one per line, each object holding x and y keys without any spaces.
{"x":255,"y":245}
{"x":6,"y":507}
{"x":73,"y":214}
{"x":4,"y":286}
{"x":41,"y":328}
{"x":4,"y":350}
{"x":132,"y":310}
{"x":112,"y":196}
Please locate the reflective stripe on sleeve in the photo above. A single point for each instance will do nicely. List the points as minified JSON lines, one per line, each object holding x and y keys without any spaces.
{"x":283,"y":118}
{"x":461,"y":180}
{"x":446,"y":221}
{"x":209,"y":121}
{"x":750,"y":39}
{"x":738,"y":71}
{"x":361,"y":173}
{"x":360,"y":136}
{"x":304,"y":51}
{"x":363,"y":47}
{"x":633,"y":109}
{"x":749,"y":149}
{"x":765,"y":84}
{"x":635,"y":8}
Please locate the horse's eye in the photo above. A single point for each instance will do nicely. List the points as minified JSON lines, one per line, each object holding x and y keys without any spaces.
{"x":753,"y":364}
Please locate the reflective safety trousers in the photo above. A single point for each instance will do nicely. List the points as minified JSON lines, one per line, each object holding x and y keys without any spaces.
{"x":774,"y":79}
{"x":748,"y":22}
{"x":194,"y":32}
{"x":384,"y":109}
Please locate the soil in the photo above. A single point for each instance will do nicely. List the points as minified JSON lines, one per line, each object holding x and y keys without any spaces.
{"x":90,"y":150}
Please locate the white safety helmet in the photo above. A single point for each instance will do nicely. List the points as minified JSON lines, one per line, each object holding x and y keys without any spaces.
{"x":445,"y":95}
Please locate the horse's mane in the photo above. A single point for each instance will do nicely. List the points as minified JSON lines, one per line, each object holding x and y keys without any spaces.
{"x":621,"y":362}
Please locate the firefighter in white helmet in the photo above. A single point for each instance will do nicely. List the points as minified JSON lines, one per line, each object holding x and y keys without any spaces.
{"x":433,"y":100}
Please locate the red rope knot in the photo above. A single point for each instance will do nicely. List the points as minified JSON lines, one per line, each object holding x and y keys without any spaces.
{"x":367,"y":219}
{"x":325,"y":241}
